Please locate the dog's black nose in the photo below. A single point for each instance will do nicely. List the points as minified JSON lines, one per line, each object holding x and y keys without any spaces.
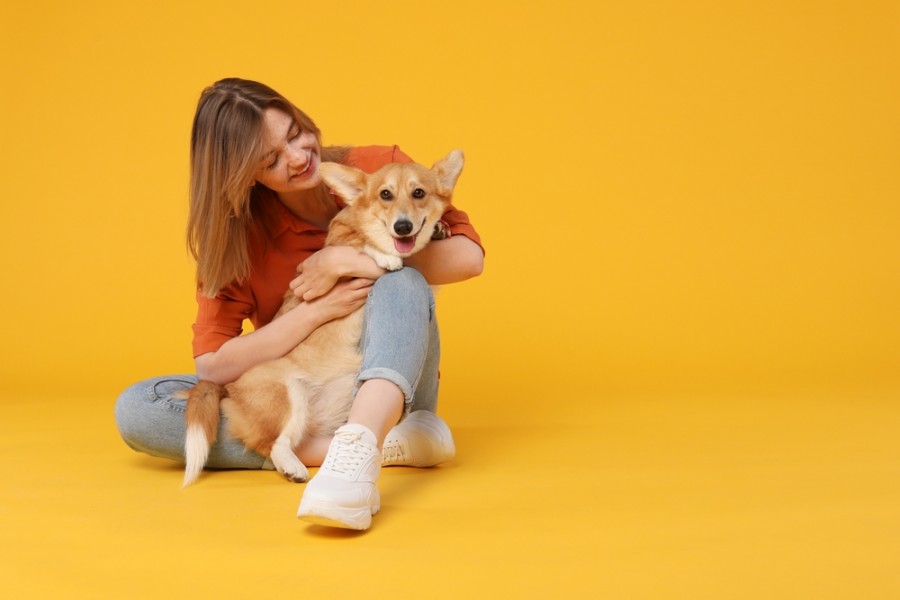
{"x":403,"y":227}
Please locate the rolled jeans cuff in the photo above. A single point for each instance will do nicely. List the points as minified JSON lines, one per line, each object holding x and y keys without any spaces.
{"x":394,"y":377}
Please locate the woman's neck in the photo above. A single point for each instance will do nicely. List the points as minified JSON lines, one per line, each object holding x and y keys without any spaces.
{"x":315,"y":206}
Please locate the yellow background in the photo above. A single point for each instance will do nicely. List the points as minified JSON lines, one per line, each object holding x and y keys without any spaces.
{"x":678,"y":376}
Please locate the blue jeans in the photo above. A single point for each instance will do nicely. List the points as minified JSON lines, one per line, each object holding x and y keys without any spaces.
{"x":399,"y":343}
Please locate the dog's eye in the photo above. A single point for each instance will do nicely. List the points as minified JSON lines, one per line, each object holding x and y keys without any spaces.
{"x":386,"y":195}
{"x":418,"y":193}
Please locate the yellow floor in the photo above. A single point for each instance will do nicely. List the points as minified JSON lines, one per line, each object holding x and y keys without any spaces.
{"x":781,"y":496}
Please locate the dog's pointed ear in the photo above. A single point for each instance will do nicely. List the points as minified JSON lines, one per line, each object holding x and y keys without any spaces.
{"x":347,"y":182}
{"x":447,"y":171}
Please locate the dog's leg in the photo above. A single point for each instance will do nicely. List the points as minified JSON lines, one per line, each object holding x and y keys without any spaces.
{"x":298,"y":397}
{"x":286,"y":461}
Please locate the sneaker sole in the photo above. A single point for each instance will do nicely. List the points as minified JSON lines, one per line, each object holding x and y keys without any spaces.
{"x":329,"y":515}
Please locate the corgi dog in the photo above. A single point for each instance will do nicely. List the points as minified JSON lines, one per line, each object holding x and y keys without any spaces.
{"x":389,"y":215}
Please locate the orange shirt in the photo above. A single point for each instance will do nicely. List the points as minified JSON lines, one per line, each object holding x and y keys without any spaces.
{"x":274,"y":264}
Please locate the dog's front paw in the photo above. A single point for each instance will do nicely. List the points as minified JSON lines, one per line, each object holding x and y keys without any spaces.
{"x":391,"y":263}
{"x":388,"y":262}
{"x":294,"y":474}
{"x":441,"y":231}
{"x":287,"y":463}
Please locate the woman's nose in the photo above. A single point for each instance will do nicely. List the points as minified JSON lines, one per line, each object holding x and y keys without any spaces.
{"x":297,"y":156}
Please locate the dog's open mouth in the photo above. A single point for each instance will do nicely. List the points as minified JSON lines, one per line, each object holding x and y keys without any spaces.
{"x":405,"y":245}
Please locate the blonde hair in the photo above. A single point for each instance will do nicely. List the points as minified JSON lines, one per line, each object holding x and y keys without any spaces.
{"x":226,"y":203}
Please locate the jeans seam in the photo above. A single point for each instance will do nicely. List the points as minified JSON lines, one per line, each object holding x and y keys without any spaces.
{"x":157,"y":398}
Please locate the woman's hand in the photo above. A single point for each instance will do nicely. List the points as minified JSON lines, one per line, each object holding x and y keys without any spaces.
{"x":341,"y":300}
{"x":320,"y":272}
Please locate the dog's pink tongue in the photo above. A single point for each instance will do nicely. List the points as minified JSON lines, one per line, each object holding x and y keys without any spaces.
{"x":404,"y":245}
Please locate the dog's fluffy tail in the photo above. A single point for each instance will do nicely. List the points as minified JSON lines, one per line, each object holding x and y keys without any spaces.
{"x":202,"y":420}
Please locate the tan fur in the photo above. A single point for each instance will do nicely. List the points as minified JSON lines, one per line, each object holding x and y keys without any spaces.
{"x":272,"y":406}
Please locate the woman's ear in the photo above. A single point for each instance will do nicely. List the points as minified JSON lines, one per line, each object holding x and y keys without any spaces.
{"x":347,"y":182}
{"x":447,"y":171}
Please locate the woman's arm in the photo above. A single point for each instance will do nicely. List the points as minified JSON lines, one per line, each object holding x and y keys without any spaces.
{"x":448,"y":261}
{"x":279,"y":337}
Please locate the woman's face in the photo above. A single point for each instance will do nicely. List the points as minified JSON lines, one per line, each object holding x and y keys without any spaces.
{"x":291,"y":155}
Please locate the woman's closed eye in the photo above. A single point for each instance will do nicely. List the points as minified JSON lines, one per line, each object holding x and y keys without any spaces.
{"x":293,"y":136}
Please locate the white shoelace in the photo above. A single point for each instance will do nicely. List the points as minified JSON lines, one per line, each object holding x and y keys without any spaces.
{"x":393,"y":453}
{"x":349,"y":452}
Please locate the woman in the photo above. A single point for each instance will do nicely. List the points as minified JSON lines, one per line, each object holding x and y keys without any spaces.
{"x":259,"y":209}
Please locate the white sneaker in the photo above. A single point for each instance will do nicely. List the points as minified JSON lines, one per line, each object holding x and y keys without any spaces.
{"x":420,"y":440}
{"x":343,"y":493}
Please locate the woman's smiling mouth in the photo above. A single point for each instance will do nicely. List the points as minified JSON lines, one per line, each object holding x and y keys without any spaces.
{"x":307,"y":170}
